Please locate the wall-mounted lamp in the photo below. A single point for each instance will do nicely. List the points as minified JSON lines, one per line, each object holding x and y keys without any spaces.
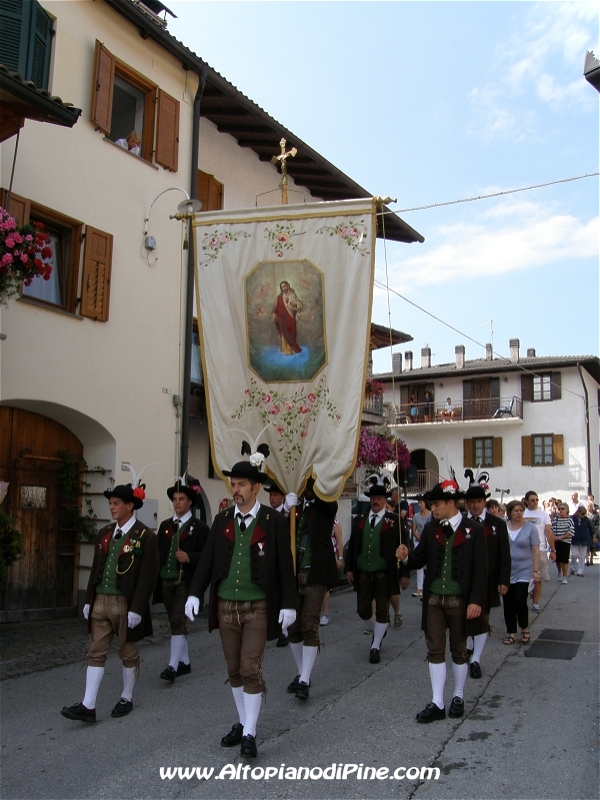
{"x":185,"y":209}
{"x":505,"y":379}
{"x":441,"y":385}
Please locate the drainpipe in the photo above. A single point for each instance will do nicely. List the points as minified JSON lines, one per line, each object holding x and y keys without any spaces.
{"x":587,"y":431}
{"x":189,"y":298}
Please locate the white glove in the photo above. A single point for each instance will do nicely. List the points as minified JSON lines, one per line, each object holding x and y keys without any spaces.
{"x":86,"y":611}
{"x":133,"y":619}
{"x":192,"y":607}
{"x":287,"y":617}
{"x":291,"y":500}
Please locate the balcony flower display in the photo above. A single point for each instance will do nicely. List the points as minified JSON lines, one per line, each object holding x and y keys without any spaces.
{"x":374,"y":388}
{"x":24,"y":255}
{"x":377,"y":447}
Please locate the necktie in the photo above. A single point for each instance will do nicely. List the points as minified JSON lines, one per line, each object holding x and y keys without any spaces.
{"x":477,"y":519}
{"x":448,"y":530}
{"x":118,"y":534}
{"x":242,"y":521}
{"x":176,"y":525}
{"x":373,"y":521}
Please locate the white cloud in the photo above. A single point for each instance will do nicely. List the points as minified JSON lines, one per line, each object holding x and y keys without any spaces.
{"x":519,"y":236}
{"x":544,"y":57}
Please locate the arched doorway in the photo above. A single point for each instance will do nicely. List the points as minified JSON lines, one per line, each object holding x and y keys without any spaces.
{"x":427,"y":470}
{"x":41,"y":584}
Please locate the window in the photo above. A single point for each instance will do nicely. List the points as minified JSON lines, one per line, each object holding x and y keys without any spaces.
{"x":69,"y":273}
{"x":123,"y":100}
{"x":26,"y":41}
{"x":482,"y":451}
{"x":541,"y":388}
{"x":65,"y":237}
{"x":542,"y":450}
{"x":210,"y":192}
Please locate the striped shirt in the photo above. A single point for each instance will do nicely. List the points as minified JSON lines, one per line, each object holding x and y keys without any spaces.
{"x":563,"y":527}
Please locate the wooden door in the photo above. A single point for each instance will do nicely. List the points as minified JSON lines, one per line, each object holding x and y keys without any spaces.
{"x":42,"y":583}
{"x":481,"y":394}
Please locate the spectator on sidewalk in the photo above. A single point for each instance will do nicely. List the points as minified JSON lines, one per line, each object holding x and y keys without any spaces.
{"x":541,"y":520}
{"x":525,"y":567}
{"x":419,"y":520}
{"x":582,"y":539}
{"x":563,"y":529}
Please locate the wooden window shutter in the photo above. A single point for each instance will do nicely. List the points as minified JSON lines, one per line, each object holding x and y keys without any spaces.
{"x":40,"y":47}
{"x":527,"y":388}
{"x":468,"y":453}
{"x":497,"y":451}
{"x":555,"y":386}
{"x":495,"y":388}
{"x":467,"y":390}
{"x":102,"y":88}
{"x":167,"y":131}
{"x":526,"y":451}
{"x":558,"y":449}
{"x":18,"y":207}
{"x":210,"y":192}
{"x":95,"y":285}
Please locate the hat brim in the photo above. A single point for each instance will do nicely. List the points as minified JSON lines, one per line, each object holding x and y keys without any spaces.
{"x":137,"y":503}
{"x":186,"y":490}
{"x":244,"y":469}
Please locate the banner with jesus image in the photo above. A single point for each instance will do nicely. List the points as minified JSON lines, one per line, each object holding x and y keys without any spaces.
{"x":284,"y":308}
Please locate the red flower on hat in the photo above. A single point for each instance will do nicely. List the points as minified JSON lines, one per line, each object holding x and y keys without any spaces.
{"x":450,"y":487}
{"x":139,"y":493}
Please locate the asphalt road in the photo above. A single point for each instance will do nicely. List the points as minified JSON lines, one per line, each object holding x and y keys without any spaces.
{"x":530,"y":729}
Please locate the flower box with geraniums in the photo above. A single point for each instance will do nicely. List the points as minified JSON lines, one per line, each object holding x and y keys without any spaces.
{"x":377,"y":447}
{"x":374,"y":388}
{"x":24,"y":255}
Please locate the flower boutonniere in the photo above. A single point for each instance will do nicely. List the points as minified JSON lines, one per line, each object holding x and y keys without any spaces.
{"x":136,"y":547}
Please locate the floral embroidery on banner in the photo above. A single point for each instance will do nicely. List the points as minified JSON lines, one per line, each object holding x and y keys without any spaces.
{"x":280,"y":237}
{"x":291,"y":415}
{"x":213,"y":242}
{"x":352,"y":233}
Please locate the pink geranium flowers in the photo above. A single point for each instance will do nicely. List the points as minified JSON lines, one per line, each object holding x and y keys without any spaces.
{"x":24,"y":255}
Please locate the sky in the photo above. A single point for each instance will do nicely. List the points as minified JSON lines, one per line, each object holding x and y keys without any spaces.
{"x":430,"y":102}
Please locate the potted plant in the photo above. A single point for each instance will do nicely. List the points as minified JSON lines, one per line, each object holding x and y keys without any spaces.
{"x":24,"y":255}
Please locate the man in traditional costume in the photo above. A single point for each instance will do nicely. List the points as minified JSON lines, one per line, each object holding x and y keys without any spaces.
{"x":122,"y":578}
{"x":181,"y":539}
{"x":453,"y":549}
{"x":498,"y":557}
{"x":372,"y":566}
{"x":316,"y":570}
{"x":248,"y":563}
{"x":287,"y":306}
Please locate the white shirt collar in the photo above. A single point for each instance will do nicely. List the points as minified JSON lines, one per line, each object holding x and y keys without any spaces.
{"x":126,"y":527}
{"x":455,"y":520}
{"x":253,"y":511}
{"x":481,"y":516}
{"x":184,"y":519}
{"x":378,"y":515}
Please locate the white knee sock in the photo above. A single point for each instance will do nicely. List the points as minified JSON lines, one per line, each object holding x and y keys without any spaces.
{"x":296,"y":648}
{"x":478,"y":645}
{"x":93,"y":678}
{"x":469,"y":642}
{"x":238,"y":696}
{"x":459,"y":671}
{"x":184,"y":655}
{"x":252,"y":710}
{"x":128,"y":681}
{"x":309,"y":655}
{"x":177,"y":643}
{"x":437,"y":675}
{"x":378,"y":634}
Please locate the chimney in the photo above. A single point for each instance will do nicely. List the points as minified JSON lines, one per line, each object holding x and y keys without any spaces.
{"x":425,"y":357}
{"x":396,"y":363}
{"x":408,"y":358}
{"x":513,"y":346}
{"x":460,"y":356}
{"x":489,"y":352}
{"x":531,"y":352}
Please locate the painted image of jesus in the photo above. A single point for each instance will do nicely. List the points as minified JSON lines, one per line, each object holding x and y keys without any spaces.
{"x":284,"y":317}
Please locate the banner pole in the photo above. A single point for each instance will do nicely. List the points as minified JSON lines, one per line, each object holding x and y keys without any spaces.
{"x":293,"y":535}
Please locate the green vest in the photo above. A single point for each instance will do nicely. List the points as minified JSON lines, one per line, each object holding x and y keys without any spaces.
{"x":172,"y":567}
{"x":238,"y":583}
{"x":108,"y":584}
{"x":303,"y":536}
{"x":445,"y":584}
{"x":370,"y":559}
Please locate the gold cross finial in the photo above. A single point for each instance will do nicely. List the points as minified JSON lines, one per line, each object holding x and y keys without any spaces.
{"x":281,"y":159}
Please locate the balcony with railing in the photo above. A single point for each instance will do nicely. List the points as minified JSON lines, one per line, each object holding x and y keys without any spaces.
{"x":488,"y":408}
{"x":373,"y":411}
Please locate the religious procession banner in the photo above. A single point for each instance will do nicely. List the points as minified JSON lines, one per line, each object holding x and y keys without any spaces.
{"x":284,"y":306}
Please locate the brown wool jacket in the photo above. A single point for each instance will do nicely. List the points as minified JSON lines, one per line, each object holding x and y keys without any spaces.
{"x":137,"y":571}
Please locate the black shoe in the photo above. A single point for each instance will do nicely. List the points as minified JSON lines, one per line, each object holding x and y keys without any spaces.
{"x":457,"y":707}
{"x":183,"y":669}
{"x":475,"y":670}
{"x":283,"y":641}
{"x":122,"y":708}
{"x":293,"y":687}
{"x":234,"y":736}
{"x":302,"y":690}
{"x":169,"y":674}
{"x":79,"y":712}
{"x":374,"y":657}
{"x":248,"y":748}
{"x":430,"y":713}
